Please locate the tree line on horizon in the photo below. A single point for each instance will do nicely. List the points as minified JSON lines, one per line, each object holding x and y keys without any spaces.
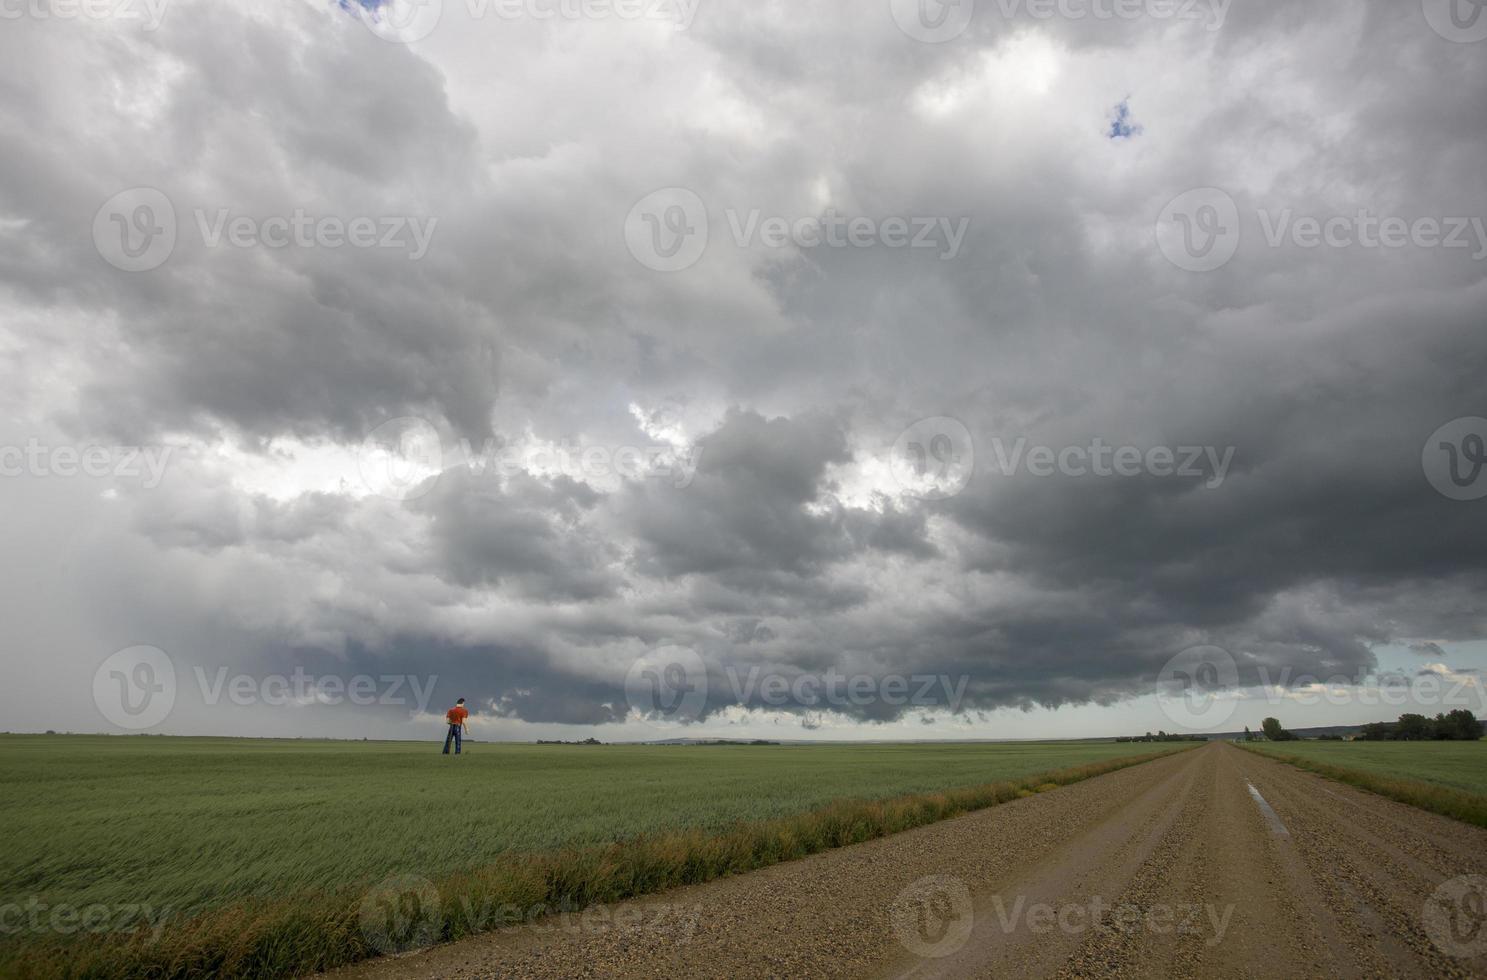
{"x":1459,"y":725}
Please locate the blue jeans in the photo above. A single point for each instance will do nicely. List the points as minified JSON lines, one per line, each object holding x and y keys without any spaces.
{"x":457,"y":736}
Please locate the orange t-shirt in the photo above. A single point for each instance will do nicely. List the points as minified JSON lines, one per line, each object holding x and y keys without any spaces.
{"x":456,"y":715}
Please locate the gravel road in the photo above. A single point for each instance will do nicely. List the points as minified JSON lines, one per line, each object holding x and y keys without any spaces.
{"x":1214,"y":862}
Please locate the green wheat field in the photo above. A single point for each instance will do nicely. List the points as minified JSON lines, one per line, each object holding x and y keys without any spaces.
{"x":205,"y":829}
{"x":1452,"y":765}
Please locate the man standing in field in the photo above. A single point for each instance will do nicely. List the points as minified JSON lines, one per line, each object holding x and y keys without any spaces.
{"x":457,"y":728}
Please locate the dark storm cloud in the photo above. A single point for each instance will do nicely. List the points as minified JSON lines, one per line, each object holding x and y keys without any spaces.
{"x":529,"y":532}
{"x":790,"y":372}
{"x":746,"y":510}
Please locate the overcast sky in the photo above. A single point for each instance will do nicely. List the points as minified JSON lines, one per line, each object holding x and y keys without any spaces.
{"x":957,"y":371}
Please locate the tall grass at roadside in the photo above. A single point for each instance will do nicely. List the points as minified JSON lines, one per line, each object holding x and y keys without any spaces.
{"x":1445,"y":800}
{"x":316,"y":931}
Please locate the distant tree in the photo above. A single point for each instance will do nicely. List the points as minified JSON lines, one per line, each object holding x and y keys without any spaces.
{"x":1412,"y":728}
{"x":1247,"y":735}
{"x":1273,"y":731}
{"x":1459,"y":725}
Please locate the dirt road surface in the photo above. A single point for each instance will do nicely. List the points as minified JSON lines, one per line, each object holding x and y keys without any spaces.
{"x":1211,"y":863}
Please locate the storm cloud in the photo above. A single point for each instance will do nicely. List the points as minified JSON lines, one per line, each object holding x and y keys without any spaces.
{"x":1045,"y":464}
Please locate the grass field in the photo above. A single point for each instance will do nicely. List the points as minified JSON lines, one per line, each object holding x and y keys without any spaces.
{"x":1446,"y":777}
{"x":198,"y":826}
